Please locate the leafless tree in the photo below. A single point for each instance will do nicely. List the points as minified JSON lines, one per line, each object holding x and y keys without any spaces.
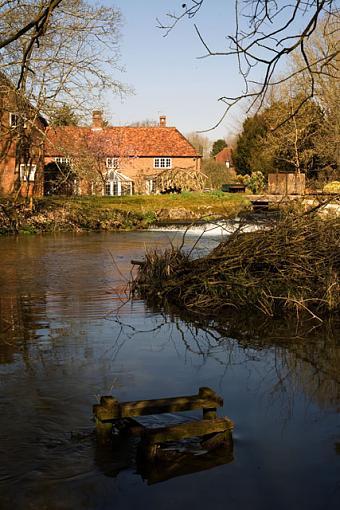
{"x":56,"y":53}
{"x":70,"y":59}
{"x":266,"y":33}
{"x":201,"y":143}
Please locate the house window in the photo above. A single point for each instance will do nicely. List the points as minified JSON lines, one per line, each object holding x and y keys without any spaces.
{"x":162,"y":162}
{"x":113,"y":188}
{"x":62,"y":160}
{"x":112,"y":163}
{"x":27,"y":172}
{"x":227,"y":164}
{"x":107,"y":188}
{"x":117,"y":184}
{"x":118,"y":188}
{"x":13,"y":119}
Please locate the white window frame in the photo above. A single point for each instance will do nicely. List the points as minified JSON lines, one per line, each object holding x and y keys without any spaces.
{"x":112,"y":162}
{"x":113,"y":184}
{"x":13,"y":119}
{"x":27,"y":172}
{"x":114,"y":188}
{"x":162,"y":162}
{"x":62,"y":160}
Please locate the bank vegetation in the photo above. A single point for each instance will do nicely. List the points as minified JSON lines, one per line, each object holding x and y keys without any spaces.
{"x":291,"y":267}
{"x":51,"y":214}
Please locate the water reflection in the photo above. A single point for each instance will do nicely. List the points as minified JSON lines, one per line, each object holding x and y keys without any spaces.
{"x":124,"y":455}
{"x":304,"y":357}
{"x":62,"y":344}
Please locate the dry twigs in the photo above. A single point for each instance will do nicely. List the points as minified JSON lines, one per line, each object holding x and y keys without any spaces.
{"x":292,"y":267}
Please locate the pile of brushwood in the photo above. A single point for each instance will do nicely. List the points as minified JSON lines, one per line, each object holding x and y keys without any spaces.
{"x":291,"y":267}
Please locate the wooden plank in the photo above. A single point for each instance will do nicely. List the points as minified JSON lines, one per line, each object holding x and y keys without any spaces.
{"x":216,"y":440}
{"x":138,"y":262}
{"x":112,"y":410}
{"x":144,"y":407}
{"x":186,"y":430}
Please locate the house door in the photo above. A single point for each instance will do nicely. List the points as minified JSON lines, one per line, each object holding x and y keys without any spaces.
{"x":150,"y":185}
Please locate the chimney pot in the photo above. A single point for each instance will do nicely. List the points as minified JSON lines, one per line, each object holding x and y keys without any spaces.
{"x":97,"y":120}
{"x":162,"y":121}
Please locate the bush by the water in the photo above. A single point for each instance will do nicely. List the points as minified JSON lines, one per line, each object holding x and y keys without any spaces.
{"x":291,"y":267}
{"x":332,"y":187}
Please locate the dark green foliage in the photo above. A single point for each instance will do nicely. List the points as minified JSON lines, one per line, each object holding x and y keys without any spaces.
{"x":247,"y":155}
{"x":283,"y":138}
{"x":64,"y":116}
{"x":217,"y":147}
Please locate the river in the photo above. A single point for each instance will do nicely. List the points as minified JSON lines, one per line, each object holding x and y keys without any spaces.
{"x":69,"y":334}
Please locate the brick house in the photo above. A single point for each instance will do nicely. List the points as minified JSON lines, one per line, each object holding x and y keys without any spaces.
{"x":21,"y":143}
{"x":115,"y":160}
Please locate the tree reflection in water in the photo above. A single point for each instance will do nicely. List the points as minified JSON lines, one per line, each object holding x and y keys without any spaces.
{"x":306,"y":353}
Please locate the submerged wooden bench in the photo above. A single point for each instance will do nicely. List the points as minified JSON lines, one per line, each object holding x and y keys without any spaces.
{"x":111,"y":411}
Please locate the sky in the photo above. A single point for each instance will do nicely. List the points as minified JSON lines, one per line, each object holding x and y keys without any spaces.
{"x":166,"y":74}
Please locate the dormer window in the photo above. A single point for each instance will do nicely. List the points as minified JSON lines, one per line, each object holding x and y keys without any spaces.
{"x":13,"y":120}
{"x":112,"y":163}
{"x":162,"y":163}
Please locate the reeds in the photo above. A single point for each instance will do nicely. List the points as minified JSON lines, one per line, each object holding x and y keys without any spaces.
{"x":291,"y":267}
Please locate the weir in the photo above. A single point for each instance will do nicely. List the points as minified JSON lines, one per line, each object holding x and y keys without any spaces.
{"x":218,"y":228}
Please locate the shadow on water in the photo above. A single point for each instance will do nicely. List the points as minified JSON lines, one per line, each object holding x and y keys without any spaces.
{"x":123,"y":455}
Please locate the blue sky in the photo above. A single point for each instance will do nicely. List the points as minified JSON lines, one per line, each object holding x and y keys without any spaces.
{"x":165,"y":73}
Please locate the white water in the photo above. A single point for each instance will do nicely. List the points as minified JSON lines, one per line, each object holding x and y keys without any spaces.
{"x":220,"y":229}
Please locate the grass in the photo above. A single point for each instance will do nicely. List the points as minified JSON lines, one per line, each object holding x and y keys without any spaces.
{"x":114,"y":213}
{"x":216,"y":203}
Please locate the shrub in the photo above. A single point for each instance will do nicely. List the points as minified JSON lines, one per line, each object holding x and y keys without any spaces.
{"x":217,"y":173}
{"x":332,"y":187}
{"x":255,"y":182}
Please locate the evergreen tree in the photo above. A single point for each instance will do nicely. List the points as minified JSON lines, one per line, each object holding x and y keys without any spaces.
{"x":64,"y":116}
{"x":247,"y":155}
{"x":217,"y":147}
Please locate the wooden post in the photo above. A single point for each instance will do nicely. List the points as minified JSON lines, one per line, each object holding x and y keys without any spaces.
{"x":209,"y":413}
{"x":104,"y":428}
{"x":103,"y":431}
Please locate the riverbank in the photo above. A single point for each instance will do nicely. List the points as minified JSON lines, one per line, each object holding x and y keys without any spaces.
{"x":291,"y":268}
{"x":52,"y":214}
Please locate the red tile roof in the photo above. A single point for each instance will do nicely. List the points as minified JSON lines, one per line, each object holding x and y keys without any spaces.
{"x":119,"y":141}
{"x":224,"y":155}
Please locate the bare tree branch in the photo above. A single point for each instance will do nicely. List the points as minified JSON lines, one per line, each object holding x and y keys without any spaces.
{"x":39,"y":23}
{"x":266,"y":33}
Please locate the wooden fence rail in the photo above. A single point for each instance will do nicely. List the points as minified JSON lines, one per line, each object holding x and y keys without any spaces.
{"x":111,"y":411}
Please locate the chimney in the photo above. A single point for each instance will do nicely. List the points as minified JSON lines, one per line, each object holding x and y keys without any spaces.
{"x":162,"y":121}
{"x":97,"y":120}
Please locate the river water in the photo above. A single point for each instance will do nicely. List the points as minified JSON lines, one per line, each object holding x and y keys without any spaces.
{"x":69,"y":334}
